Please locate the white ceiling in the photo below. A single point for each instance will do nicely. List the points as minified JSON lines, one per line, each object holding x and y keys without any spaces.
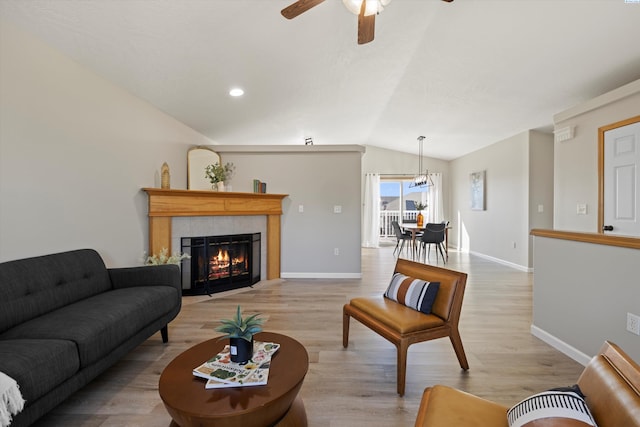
{"x":464,"y":74}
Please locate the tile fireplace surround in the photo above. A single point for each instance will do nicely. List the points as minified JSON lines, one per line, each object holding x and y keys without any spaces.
{"x":164,"y":205}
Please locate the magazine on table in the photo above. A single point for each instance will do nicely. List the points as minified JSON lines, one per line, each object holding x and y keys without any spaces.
{"x":221,"y":372}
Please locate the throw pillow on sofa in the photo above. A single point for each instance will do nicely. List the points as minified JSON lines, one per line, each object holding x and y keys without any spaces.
{"x":414,"y":293}
{"x":559,"y":407}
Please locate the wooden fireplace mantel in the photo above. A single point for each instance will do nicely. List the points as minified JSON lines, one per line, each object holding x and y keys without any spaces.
{"x":165,"y":204}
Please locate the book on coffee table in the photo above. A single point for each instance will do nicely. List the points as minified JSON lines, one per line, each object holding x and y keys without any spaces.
{"x":221,"y":372}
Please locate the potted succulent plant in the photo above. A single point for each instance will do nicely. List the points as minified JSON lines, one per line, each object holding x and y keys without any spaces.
{"x":240,"y":332}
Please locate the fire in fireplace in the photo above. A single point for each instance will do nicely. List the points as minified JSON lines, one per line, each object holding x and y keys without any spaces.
{"x":220,"y":263}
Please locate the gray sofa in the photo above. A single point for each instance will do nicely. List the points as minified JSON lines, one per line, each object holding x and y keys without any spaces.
{"x":65,"y":318}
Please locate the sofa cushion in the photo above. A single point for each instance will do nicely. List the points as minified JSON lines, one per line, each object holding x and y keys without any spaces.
{"x":414,"y":293}
{"x":444,"y":406}
{"x":38,"y":365}
{"x":35,"y":286}
{"x":100,"y":323}
{"x":561,"y":407}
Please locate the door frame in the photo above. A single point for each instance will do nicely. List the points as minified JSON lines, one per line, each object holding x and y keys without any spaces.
{"x":601,"y":132}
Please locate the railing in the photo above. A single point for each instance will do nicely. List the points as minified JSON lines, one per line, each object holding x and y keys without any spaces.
{"x":386,"y":217}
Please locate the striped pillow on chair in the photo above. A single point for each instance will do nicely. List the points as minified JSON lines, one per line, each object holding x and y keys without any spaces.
{"x":414,"y":293}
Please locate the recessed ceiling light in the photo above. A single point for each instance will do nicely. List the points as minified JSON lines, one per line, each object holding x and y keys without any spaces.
{"x":236,"y":91}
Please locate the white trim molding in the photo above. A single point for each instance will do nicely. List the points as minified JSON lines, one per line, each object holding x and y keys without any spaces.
{"x":560,"y":345}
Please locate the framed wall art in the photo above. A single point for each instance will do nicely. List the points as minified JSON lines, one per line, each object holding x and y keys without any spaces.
{"x":477,"y":191}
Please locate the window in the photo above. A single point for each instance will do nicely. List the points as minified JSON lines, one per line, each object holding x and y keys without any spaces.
{"x":398,"y":202}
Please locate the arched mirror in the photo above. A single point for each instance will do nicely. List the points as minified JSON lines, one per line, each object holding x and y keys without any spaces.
{"x":198,"y":158}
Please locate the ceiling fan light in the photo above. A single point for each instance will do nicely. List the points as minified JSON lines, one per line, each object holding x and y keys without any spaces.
{"x":353,"y":6}
{"x":371,"y":7}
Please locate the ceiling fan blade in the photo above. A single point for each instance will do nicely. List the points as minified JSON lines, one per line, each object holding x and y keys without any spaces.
{"x":366,"y":26}
{"x":299,"y":7}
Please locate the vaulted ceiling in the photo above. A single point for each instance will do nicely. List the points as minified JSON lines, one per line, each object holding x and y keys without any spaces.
{"x":464,"y":74}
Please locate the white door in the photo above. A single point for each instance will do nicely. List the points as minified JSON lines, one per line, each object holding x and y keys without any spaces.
{"x":622,"y":180}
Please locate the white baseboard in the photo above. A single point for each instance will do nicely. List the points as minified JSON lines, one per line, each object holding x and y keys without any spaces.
{"x":321,"y":275}
{"x":503,"y":262}
{"x":560,"y":345}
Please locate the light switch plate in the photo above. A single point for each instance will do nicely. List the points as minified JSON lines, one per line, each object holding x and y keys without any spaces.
{"x":581,"y":209}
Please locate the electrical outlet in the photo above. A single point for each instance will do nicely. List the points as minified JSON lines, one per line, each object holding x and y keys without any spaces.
{"x":336,"y":251}
{"x":633,"y":323}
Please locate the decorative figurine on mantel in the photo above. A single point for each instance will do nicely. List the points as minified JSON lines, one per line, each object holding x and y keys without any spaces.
{"x":165,"y":177}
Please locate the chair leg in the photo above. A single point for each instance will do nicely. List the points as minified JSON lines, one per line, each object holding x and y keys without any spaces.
{"x":345,"y":329}
{"x":439,"y":248}
{"x":456,"y":341}
{"x":402,"y":348}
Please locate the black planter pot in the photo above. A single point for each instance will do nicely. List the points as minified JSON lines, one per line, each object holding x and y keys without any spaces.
{"x":241,"y":350}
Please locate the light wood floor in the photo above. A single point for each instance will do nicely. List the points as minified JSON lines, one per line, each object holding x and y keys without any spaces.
{"x":356,"y":386}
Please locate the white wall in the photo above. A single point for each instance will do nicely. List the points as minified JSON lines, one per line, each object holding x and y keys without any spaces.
{"x":74,"y":152}
{"x":493,"y":232}
{"x":576,"y":160}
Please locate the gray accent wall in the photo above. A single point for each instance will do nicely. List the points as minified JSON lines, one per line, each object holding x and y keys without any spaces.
{"x":581,"y":295}
{"x":583,"y":291}
{"x":318,"y":178}
{"x":576,"y":159}
{"x":519,"y":177}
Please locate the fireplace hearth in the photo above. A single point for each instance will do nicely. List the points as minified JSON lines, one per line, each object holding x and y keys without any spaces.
{"x":220,"y":263}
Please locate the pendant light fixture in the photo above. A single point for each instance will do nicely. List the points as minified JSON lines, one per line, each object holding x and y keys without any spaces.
{"x":421,"y":179}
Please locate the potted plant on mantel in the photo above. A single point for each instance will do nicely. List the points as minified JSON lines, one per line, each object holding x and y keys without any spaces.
{"x":240,"y":332}
{"x":420,"y":218}
{"x":218,"y":174}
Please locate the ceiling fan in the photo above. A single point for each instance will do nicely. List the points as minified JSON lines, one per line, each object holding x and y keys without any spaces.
{"x":365,"y":9}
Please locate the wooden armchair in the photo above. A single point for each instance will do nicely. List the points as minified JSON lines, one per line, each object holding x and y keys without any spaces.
{"x":404,"y":326}
{"x":611,"y":383}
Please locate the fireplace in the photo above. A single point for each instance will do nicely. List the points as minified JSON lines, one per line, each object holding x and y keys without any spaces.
{"x":220,"y":263}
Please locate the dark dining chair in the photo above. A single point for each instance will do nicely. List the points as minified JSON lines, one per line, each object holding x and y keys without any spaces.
{"x":433,"y":234}
{"x":400,"y":236}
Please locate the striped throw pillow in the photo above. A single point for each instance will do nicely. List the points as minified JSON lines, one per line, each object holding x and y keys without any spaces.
{"x":564,"y":407}
{"x":414,"y":293}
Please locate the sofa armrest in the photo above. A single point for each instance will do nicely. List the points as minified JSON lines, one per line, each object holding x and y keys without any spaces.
{"x":157,"y":275}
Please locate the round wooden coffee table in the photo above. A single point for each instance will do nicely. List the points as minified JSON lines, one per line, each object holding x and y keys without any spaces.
{"x":276,"y":403}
